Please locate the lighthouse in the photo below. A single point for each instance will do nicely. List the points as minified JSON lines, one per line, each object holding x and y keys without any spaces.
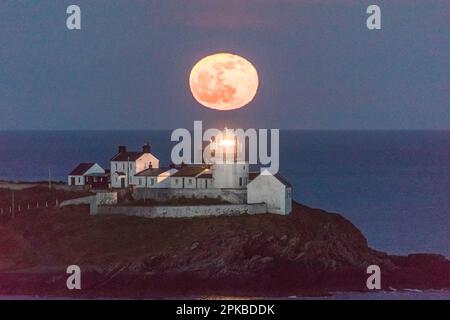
{"x":229,"y":167}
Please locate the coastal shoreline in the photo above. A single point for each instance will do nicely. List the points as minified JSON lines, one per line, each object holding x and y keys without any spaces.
{"x":308,"y":253}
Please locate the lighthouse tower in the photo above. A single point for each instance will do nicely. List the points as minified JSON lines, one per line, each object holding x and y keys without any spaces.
{"x":228,"y":171}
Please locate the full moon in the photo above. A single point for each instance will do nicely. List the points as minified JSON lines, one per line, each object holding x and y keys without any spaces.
{"x":223,"y":81}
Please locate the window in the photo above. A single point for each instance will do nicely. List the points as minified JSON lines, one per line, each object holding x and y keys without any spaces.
{"x":190,"y":181}
{"x":79,"y":179}
{"x":152,"y":181}
{"x":140,"y":181}
{"x":123,"y":166}
{"x":176,"y":181}
{"x":240,"y":181}
{"x":116,"y":165}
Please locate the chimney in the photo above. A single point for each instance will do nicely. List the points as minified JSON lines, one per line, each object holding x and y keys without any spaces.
{"x":122,"y":149}
{"x":146,"y":148}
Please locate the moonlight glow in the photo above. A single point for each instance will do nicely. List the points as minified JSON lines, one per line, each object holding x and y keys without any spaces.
{"x":223,"y":81}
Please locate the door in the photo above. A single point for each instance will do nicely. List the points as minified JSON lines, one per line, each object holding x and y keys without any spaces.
{"x":72,"y":181}
{"x":122,"y":183}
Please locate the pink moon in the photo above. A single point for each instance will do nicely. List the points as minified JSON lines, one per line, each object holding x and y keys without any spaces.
{"x":224,"y":81}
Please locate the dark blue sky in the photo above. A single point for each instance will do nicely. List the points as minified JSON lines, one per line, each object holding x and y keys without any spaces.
{"x":319,"y":66}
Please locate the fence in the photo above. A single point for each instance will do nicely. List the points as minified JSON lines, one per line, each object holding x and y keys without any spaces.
{"x":14,"y":208}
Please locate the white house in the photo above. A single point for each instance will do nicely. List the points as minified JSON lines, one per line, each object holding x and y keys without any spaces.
{"x":273,"y":190}
{"x":79,"y":175}
{"x":205,"y":180}
{"x":186,"y":177}
{"x":125,"y":164}
{"x":154,"y":178}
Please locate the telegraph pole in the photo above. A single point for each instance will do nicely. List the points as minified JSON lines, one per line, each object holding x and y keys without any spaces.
{"x":145,"y":189}
{"x":128,"y":171}
{"x":12,"y":205}
{"x":49,"y":180}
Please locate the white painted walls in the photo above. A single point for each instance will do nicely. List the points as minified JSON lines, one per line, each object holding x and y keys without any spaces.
{"x":269,"y":190}
{"x":130,"y":168}
{"x":205,"y":183}
{"x":144,"y":162}
{"x":95,"y":169}
{"x":230,"y":175}
{"x":160,"y":181}
{"x":79,"y":181}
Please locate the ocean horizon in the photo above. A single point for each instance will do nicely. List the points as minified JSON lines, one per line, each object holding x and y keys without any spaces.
{"x":392,"y":184}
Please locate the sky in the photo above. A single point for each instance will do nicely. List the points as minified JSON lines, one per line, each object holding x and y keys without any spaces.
{"x":319,"y":66}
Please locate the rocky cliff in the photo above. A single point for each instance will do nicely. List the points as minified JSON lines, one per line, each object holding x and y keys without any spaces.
{"x":308,"y":252}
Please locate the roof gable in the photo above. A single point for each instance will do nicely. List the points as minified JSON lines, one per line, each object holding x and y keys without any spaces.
{"x":152,"y":172}
{"x":127,"y":156}
{"x":277,"y":177}
{"x":81,"y":169}
{"x":189,"y":171}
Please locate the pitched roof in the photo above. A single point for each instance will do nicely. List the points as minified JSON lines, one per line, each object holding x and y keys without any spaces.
{"x":81,"y":169}
{"x":252,"y":175}
{"x":189,"y":171}
{"x":283,"y":180}
{"x":206,"y":175}
{"x":152,"y":172}
{"x":127,"y":156}
{"x":97,"y":174}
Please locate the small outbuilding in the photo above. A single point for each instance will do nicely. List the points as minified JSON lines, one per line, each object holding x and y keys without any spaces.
{"x":88,"y":174}
{"x":186,"y":177}
{"x":154,"y":178}
{"x":273,"y":190}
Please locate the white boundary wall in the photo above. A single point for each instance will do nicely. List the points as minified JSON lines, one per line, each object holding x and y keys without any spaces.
{"x":234,"y":196}
{"x":184,"y":211}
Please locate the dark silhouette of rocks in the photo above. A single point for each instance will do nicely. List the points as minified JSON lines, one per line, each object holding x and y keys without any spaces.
{"x":310,"y":252}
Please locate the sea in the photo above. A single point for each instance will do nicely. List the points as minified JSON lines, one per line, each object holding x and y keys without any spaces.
{"x":392,"y":185}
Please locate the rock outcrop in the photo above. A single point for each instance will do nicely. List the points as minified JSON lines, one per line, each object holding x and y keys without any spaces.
{"x":308,"y":252}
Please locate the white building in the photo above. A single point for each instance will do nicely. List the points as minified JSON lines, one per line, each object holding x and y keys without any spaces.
{"x":187,"y":177}
{"x":228,"y":172}
{"x":205,"y":180}
{"x":125,"y":165}
{"x":273,"y":190}
{"x":154,"y":178}
{"x":79,"y":175}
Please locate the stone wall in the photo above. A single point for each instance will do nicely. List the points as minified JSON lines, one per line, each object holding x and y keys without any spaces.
{"x":103,"y":198}
{"x":106,"y":198}
{"x":235,"y":196}
{"x":77,"y":201}
{"x":184,"y":211}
